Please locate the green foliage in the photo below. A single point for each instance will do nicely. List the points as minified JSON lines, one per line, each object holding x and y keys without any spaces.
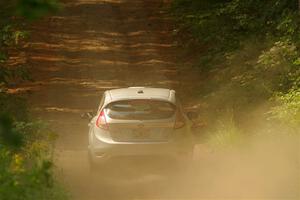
{"x":33,"y":9}
{"x":288,"y":109}
{"x":281,"y":54}
{"x":13,"y":105}
{"x":9,"y":135}
{"x":250,"y":53}
{"x":11,"y":37}
{"x":8,"y":75}
{"x":18,"y":181}
{"x":223,"y":24}
{"x":279,"y":66}
{"x":26,"y":169}
{"x":225,"y":134}
{"x":229,"y":29}
{"x":222,"y":27}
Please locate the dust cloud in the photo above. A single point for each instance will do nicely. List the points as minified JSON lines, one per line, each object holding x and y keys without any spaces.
{"x":263,"y":167}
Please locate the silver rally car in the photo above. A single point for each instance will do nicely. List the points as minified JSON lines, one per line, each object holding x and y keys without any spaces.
{"x":139,"y":121}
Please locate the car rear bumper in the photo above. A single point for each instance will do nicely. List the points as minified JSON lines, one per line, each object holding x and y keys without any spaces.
{"x":102,"y":153}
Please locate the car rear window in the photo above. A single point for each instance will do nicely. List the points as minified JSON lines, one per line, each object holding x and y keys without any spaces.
{"x":140,"y":109}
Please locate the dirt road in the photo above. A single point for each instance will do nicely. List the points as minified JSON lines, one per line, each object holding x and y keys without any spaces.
{"x":97,"y":45}
{"x":92,"y":46}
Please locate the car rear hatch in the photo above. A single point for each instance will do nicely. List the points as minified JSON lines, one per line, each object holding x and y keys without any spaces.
{"x":140,"y":120}
{"x":141,"y":131}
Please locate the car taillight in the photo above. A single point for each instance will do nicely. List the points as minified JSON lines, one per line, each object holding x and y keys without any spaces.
{"x":179,"y":122}
{"x":101,"y":121}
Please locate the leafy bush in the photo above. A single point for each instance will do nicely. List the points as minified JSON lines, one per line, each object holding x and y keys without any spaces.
{"x":26,"y":149}
{"x":11,"y":37}
{"x":280,"y":66}
{"x":26,"y":170}
{"x":249,"y":50}
{"x":288,"y":109}
{"x":226,"y":134}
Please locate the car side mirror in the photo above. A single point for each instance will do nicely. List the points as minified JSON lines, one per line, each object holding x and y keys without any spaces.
{"x":192,"y":115}
{"x":88,"y":115}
